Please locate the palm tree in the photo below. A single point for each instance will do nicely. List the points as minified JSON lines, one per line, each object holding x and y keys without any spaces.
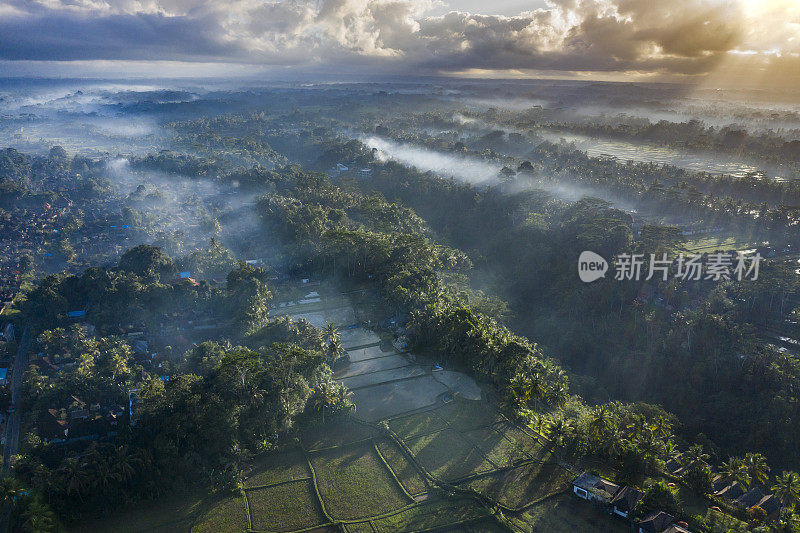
{"x":10,"y":490}
{"x":331,"y":332}
{"x":602,"y":421}
{"x":650,"y":444}
{"x":123,"y":464}
{"x":615,"y":443}
{"x":787,"y":488}
{"x":556,"y":395}
{"x":519,"y":391}
{"x":694,"y":455}
{"x":102,"y":470}
{"x":539,"y":389}
{"x":334,"y":348}
{"x":757,"y":467}
{"x":670,"y":448}
{"x":76,"y":478}
{"x":38,"y":517}
{"x":735,"y":470}
{"x":662,"y":427}
{"x":636,"y":428}
{"x":557,"y":431}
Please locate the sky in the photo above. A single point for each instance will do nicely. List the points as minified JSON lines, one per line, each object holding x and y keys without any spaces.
{"x":726,"y":42}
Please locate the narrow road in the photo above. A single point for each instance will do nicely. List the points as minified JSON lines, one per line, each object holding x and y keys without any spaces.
{"x":12,"y":426}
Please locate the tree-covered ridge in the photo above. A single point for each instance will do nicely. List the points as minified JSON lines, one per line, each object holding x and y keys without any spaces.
{"x":221,"y":405}
{"x":513,"y":365}
{"x":545,"y":233}
{"x":195,"y":417}
{"x":709,"y":328}
{"x":144,"y":291}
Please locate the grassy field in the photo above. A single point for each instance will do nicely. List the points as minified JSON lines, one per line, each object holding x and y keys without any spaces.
{"x":285,"y":507}
{"x":417,"y":424}
{"x":337,"y":433}
{"x":176,"y":513}
{"x":228,"y":515}
{"x":448,"y":456}
{"x":451,"y":442}
{"x":430,"y":515}
{"x":717,"y":243}
{"x":469,"y":414}
{"x":408,"y":474}
{"x":567,"y":514}
{"x":278,"y":467}
{"x":499,"y":450}
{"x":358,"y":527}
{"x":354,"y":483}
{"x":525,"y":441}
{"x":519,"y":486}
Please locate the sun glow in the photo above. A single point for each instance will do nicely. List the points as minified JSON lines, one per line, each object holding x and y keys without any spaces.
{"x":767,"y":54}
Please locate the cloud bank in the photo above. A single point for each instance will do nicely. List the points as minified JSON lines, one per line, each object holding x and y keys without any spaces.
{"x":672,"y":37}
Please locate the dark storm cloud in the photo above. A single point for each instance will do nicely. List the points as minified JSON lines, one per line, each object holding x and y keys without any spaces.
{"x":676,"y":36}
{"x":67,"y":36}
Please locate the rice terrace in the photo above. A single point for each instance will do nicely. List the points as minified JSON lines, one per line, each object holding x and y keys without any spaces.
{"x":423,"y":451}
{"x":414,"y":456}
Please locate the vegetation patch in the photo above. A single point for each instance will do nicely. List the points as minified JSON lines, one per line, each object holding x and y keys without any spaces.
{"x":337,"y":432}
{"x":277,"y":468}
{"x":469,"y":414}
{"x":567,"y":514}
{"x":522,"y":485}
{"x":175,"y":513}
{"x":448,"y":456}
{"x":359,"y":527}
{"x":407,"y":473}
{"x":228,"y":515}
{"x":285,"y":507}
{"x":497,"y":448}
{"x":719,"y":522}
{"x":718,"y":243}
{"x":525,"y":441}
{"x":486,"y":525}
{"x":431,"y":515}
{"x":417,"y":424}
{"x":355,"y":483}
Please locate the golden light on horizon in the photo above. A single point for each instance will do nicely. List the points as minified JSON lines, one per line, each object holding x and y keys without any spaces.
{"x":767,"y":54}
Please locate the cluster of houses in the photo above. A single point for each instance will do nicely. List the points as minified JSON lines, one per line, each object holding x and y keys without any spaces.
{"x":21,"y":233}
{"x":8,"y":337}
{"x":734,"y":493}
{"x":621,"y":501}
{"x":738,"y":496}
{"x":76,"y":422}
{"x":34,"y":230}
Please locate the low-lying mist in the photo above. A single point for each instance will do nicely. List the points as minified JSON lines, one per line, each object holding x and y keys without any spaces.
{"x":474,"y":171}
{"x":458,"y":167}
{"x":198,"y":209}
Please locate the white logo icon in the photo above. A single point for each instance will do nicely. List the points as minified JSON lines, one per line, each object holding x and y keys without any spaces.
{"x":591,"y":266}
